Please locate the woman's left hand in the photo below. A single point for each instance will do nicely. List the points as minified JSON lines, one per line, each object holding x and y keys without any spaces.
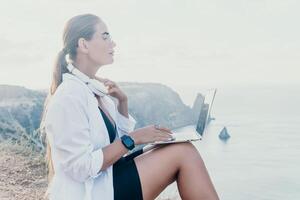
{"x":113,"y":89}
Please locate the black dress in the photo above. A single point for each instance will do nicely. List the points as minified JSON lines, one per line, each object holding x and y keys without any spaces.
{"x":126,"y":180}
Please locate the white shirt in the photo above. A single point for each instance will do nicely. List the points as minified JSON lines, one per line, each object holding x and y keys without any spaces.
{"x":77,"y":133}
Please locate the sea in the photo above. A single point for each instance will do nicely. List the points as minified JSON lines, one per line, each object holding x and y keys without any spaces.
{"x":261,"y":159}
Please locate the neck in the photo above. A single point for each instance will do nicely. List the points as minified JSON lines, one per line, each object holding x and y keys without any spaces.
{"x":87,"y":68}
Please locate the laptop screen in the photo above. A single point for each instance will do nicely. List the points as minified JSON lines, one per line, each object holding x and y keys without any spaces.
{"x":205,"y":111}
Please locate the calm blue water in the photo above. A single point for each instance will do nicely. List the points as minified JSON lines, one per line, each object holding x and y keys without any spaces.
{"x":261,"y":159}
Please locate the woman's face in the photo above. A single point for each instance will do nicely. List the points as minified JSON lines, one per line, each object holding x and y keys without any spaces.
{"x":101,"y":47}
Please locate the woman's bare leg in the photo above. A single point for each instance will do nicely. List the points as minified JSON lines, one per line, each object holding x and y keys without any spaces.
{"x":175,"y":162}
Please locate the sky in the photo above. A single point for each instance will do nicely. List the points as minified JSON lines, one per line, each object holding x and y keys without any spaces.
{"x":208,"y":43}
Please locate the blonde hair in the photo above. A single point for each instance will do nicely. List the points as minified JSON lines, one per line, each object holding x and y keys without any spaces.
{"x":80,"y":26}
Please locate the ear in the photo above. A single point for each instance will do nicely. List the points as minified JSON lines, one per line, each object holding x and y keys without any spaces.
{"x":82,"y":46}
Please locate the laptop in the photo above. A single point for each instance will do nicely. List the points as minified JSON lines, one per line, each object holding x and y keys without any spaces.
{"x":202,"y":123}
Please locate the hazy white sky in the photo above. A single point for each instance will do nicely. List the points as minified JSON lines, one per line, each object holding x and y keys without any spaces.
{"x":176,"y":42}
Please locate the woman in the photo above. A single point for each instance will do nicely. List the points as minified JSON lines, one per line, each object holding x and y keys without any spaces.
{"x":88,"y":134}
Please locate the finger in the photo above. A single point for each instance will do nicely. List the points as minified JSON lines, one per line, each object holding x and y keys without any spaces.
{"x":111,"y":86}
{"x":112,"y":90}
{"x":165,"y":135}
{"x":161,"y":132}
{"x":157,"y":138}
{"x":165,"y":139}
{"x":162,"y":128}
{"x":107,"y":83}
{"x":165,"y":129}
{"x":110,"y":83}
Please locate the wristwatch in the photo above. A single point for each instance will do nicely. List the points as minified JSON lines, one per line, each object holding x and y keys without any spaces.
{"x":128,"y":142}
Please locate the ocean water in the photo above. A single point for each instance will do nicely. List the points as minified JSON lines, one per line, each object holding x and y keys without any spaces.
{"x":261,"y":160}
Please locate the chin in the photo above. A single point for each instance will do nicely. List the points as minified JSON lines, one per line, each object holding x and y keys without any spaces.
{"x":107,"y":63}
{"x":111,"y":61}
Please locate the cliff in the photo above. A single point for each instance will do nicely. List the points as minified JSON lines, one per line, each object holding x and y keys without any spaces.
{"x":20,"y":111}
{"x":149,"y":103}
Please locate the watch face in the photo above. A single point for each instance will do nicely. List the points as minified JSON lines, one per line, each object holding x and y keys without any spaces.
{"x":128,"y":142}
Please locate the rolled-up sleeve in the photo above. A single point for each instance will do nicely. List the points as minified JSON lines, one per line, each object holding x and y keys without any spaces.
{"x":124,"y":124}
{"x":67,"y":123}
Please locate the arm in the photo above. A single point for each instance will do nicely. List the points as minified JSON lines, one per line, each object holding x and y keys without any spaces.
{"x":68,"y":130}
{"x":123,"y":108}
{"x":112,"y":153}
{"x":116,"y":150}
{"x":116,"y":92}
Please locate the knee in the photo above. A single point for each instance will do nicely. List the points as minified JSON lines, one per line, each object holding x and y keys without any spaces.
{"x":187,"y":150}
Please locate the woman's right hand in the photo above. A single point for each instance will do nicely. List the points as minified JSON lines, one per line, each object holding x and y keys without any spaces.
{"x":150,"y":134}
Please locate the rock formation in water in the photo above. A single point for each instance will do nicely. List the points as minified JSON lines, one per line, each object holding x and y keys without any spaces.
{"x":224,"y":134}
